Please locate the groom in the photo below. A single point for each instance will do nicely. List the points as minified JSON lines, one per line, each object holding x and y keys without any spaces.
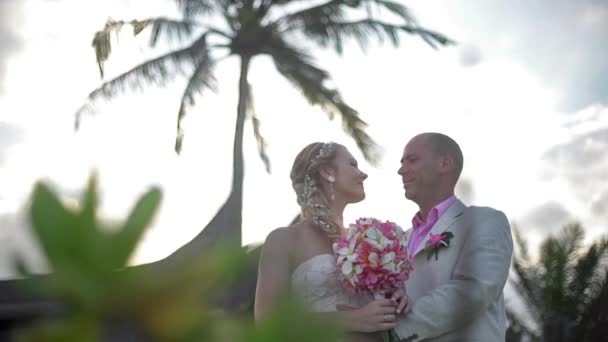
{"x":461,"y":254}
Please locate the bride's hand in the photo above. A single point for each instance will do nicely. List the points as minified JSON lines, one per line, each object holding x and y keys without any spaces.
{"x":377,"y":315}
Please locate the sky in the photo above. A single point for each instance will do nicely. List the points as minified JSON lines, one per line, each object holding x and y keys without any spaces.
{"x":524,"y":92}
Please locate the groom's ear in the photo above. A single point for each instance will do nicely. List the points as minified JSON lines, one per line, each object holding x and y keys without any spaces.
{"x":446,"y":164}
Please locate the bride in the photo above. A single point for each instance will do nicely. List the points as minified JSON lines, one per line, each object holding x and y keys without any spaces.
{"x":298,"y":260}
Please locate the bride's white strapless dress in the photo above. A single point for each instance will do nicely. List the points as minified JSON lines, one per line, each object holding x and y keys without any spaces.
{"x":316,"y":284}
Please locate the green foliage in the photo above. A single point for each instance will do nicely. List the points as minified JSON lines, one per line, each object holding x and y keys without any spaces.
{"x":155,"y":303}
{"x":562,"y":289}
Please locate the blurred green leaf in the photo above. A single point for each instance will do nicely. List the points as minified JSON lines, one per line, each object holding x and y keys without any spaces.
{"x":52,"y":223}
{"x":168,"y":301}
{"x":125,"y":241}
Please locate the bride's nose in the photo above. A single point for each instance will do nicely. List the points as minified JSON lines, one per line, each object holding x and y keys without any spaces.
{"x":363,"y":175}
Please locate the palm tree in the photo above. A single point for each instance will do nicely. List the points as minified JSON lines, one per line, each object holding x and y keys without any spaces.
{"x":566,"y":290}
{"x":248,"y":29}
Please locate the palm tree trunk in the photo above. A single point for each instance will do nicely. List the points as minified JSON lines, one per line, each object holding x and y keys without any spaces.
{"x":238,"y":167}
{"x":226,"y":225}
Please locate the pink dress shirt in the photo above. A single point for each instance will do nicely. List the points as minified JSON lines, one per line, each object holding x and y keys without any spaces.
{"x":420,"y":228}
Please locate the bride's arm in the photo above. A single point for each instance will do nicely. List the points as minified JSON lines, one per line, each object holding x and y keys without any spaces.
{"x":273,"y":273}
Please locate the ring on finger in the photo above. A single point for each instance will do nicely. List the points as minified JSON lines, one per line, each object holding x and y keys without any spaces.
{"x":386,"y":317}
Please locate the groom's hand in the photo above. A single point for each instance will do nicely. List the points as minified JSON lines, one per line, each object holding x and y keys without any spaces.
{"x":401,"y":299}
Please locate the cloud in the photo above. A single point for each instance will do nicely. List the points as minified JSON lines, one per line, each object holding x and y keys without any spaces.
{"x":600,"y":206}
{"x":546,"y":217}
{"x":10,"y":41}
{"x":583,"y":152}
{"x":465,"y":190}
{"x":9,"y":135}
{"x":561,"y":41}
{"x":581,"y":163}
{"x":470,"y":55}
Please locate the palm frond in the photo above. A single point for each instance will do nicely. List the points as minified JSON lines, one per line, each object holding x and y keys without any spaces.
{"x":297,"y":67}
{"x":361,"y":31}
{"x":154,"y":71}
{"x":395,"y":8}
{"x":527,"y":286}
{"x":325,"y":24}
{"x":256,"y":130}
{"x":201,"y":78}
{"x":102,"y":40}
{"x":527,"y":282}
{"x":518,"y":327}
{"x":584,"y":274}
{"x":553,"y":259}
{"x":522,"y":246}
{"x":331,"y":10}
{"x":571,"y":238}
{"x":594,"y":318}
{"x":263,"y":7}
{"x":432,"y":38}
{"x":410,"y":24}
{"x":171,"y":29}
{"x":564,"y":289}
{"x":192,"y":8}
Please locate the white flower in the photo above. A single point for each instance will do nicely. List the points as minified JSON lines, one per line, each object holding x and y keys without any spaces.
{"x":388,"y":257}
{"x":376,"y":238}
{"x":346,"y":257}
{"x":347,"y":253}
{"x":349,"y":270}
{"x":388,"y":261}
{"x":368,"y":221}
{"x":373,"y":259}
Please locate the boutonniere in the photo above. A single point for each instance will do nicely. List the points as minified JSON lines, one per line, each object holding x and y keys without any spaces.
{"x":436,"y":242}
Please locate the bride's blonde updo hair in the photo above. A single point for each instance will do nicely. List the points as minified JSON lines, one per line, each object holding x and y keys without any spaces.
{"x":306,"y":181}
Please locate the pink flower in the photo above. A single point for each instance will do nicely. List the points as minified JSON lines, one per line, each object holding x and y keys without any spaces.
{"x":435,"y":240}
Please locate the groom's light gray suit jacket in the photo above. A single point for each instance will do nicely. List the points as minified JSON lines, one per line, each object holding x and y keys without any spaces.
{"x":459,"y":297}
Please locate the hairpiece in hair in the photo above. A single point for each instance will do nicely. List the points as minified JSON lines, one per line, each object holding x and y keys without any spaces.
{"x":326,"y":150}
{"x":309,"y":185}
{"x":313,"y":207}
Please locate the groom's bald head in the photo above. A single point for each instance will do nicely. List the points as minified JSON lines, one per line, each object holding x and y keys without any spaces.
{"x":443,"y":146}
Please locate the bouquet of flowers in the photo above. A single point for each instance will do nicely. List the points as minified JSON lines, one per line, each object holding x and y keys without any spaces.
{"x":372,"y":258}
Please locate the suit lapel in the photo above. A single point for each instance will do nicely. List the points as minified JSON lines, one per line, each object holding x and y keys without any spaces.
{"x":443,"y":223}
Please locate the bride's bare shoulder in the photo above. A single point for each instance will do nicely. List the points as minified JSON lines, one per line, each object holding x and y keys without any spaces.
{"x":285,"y":236}
{"x":301,"y":227}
